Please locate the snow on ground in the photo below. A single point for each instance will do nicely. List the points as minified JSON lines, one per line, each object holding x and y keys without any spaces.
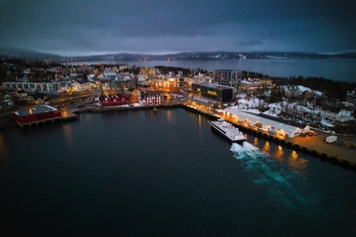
{"x":251,"y":105}
{"x":272,"y":112}
{"x":136,"y":104}
{"x":303,"y":88}
{"x":244,"y":103}
{"x":326,"y":123}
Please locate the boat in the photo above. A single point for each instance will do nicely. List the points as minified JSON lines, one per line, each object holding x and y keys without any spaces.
{"x":155,"y":109}
{"x":227,"y":130}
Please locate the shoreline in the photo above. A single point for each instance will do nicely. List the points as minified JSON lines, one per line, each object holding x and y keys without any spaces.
{"x":314,"y":146}
{"x":311,"y":145}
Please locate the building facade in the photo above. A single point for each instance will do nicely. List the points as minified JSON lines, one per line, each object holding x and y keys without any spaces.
{"x":113,"y":100}
{"x":43,"y":87}
{"x":227,"y":77}
{"x":35,"y":115}
{"x":213,"y":91}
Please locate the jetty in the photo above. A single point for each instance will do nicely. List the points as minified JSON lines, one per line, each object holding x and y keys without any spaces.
{"x":313,"y":145}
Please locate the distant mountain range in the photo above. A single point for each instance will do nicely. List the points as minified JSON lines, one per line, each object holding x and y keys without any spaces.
{"x":26,"y":53}
{"x":31,"y":54}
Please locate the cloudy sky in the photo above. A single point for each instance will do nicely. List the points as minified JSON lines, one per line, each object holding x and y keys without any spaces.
{"x":82,"y":27}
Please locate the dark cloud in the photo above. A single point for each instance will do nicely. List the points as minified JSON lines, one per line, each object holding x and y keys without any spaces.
{"x":88,"y":26}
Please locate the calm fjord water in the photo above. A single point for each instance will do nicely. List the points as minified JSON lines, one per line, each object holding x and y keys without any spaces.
{"x":141,"y":173}
{"x":334,"y":69}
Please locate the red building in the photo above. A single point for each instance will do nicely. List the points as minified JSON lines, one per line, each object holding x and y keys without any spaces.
{"x":35,"y":115}
{"x":113,"y":100}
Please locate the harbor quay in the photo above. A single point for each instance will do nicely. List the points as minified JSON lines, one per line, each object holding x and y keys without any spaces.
{"x":314,"y":145}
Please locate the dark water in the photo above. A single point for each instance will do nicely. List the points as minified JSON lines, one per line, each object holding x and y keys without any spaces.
{"x":142,"y":173}
{"x":334,"y":69}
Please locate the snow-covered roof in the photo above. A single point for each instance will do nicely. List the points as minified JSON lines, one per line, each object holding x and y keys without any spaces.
{"x":35,"y":110}
{"x":255,"y":118}
{"x":250,"y":82}
{"x":303,"y":88}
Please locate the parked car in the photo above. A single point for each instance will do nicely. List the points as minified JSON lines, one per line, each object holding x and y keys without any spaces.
{"x":310,"y":133}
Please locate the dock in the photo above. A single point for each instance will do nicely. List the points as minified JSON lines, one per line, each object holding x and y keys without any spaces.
{"x":313,"y":145}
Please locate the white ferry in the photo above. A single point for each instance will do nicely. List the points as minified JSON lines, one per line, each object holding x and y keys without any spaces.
{"x":228,"y":130}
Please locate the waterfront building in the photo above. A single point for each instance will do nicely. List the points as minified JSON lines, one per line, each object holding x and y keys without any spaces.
{"x":133,"y":95}
{"x":201,"y":104}
{"x":261,"y":123}
{"x":32,"y":87}
{"x":37,"y":114}
{"x":216,"y":92}
{"x":152,"y":99}
{"x":112,"y":100}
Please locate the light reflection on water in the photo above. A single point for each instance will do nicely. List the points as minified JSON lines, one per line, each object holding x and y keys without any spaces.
{"x":299,"y":164}
{"x":255,"y":141}
{"x":169,"y":116}
{"x":266,"y":147}
{"x":279,"y":153}
{"x":68,"y":133}
{"x":200,"y":125}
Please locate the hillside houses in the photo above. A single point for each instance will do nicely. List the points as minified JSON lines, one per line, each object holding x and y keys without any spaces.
{"x":300,"y":91}
{"x":337,"y":114}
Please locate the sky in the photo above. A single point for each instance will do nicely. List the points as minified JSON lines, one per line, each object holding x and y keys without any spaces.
{"x":85,"y":27}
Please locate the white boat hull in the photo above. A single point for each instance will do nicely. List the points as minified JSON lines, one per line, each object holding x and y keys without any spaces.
{"x":228,"y":131}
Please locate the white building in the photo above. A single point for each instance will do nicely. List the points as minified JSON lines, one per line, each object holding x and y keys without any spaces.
{"x":43,"y":87}
{"x":262,"y":123}
{"x":341,"y":115}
